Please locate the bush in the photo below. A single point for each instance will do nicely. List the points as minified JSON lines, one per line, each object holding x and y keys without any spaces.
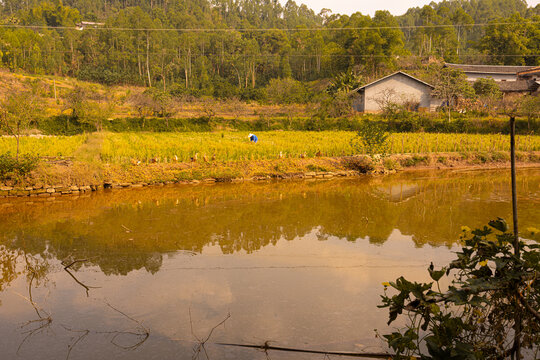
{"x":492,"y":299}
{"x":286,"y":91}
{"x":414,"y":160}
{"x":362,"y":164}
{"x":224,"y":89}
{"x":250,"y":94}
{"x":10,"y":167}
{"x":105,"y":76}
{"x":372,"y":137}
{"x":64,"y":125}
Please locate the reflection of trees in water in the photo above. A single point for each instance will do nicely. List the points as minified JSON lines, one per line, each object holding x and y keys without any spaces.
{"x":36,"y":269}
{"x":133,"y":229}
{"x":8,"y":266}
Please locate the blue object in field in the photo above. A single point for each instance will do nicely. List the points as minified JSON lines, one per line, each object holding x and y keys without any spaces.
{"x":253,"y":137}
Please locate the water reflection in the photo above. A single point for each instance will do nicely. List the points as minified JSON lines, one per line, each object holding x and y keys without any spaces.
{"x":131,"y":230}
{"x":294,"y":262}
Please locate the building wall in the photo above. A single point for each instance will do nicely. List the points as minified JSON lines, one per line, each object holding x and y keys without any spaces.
{"x":496,"y":77}
{"x":399,"y":89}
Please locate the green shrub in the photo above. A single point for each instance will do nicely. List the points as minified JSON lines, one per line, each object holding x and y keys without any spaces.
{"x":362,"y":164}
{"x":492,"y":300}
{"x":442,"y":160}
{"x":482,"y":157}
{"x":414,"y":160}
{"x":10,"y":167}
{"x":286,"y":91}
{"x":316,"y":168}
{"x":372,"y":138}
{"x":391,"y":164}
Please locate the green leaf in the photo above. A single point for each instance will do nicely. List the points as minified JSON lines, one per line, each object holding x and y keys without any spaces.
{"x":436,"y":274}
{"x":499,"y":224}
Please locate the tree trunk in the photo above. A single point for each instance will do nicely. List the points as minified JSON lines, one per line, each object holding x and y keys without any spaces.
{"x":253,"y":69}
{"x":139,"y":65}
{"x":148,"y":59}
{"x":18,"y":140}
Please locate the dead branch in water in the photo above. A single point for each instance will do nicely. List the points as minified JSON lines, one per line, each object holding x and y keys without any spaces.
{"x":72,"y":345}
{"x":73,"y":263}
{"x":86,"y":287}
{"x":68,"y":266}
{"x":266,"y":346}
{"x":43,"y":322}
{"x":143,"y":334}
{"x":201,"y":343}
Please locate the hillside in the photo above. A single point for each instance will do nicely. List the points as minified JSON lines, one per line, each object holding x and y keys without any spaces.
{"x":125,"y":97}
{"x":229,"y":49}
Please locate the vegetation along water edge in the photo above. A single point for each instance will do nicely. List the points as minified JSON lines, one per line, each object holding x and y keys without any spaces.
{"x":56,"y":165}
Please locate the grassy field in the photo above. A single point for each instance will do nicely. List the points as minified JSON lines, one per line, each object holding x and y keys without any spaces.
{"x":227,"y":146}
{"x":57,"y":146}
{"x":231,"y":146}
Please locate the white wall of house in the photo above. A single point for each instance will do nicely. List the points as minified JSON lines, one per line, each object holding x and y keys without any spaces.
{"x":496,"y":77}
{"x":398,"y":88}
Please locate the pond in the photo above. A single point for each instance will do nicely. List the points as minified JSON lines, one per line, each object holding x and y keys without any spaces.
{"x":152,"y":273}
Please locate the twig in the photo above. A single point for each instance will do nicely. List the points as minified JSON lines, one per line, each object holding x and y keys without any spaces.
{"x":200,"y":346}
{"x":87,"y":288}
{"x":528,"y":306}
{"x":73,"y":263}
{"x":71,"y":346}
{"x":44,"y":322}
{"x":144,"y":333}
{"x":265,"y":347}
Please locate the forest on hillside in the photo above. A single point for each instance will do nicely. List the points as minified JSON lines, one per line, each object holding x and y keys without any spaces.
{"x":227,"y":48}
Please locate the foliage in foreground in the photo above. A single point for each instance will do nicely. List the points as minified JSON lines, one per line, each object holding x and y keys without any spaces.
{"x":491,"y":290}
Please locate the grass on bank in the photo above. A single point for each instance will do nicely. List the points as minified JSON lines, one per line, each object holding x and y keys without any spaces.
{"x":233,"y":146}
{"x":48,"y":146}
{"x":105,"y":156}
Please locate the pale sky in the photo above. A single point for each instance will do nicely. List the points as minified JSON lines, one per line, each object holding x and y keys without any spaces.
{"x":396,"y":7}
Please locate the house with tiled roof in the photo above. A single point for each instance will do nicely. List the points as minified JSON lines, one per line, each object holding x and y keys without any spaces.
{"x":511,"y":79}
{"x":496,"y":72}
{"x":399,"y":88}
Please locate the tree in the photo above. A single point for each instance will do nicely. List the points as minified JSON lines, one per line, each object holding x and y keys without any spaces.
{"x":488,"y":92}
{"x":461,"y":19}
{"x":529,"y":106}
{"x":94,"y":112}
{"x":159,"y":102}
{"x":450,"y":85}
{"x":286,"y":91}
{"x":518,"y":36}
{"x":344,"y":81}
{"x":75,"y":101}
{"x":18,"y":111}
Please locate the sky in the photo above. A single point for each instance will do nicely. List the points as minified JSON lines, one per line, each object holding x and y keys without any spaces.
{"x":396,"y":7}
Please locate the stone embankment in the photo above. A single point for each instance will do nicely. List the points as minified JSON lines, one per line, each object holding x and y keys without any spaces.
{"x":43,"y":190}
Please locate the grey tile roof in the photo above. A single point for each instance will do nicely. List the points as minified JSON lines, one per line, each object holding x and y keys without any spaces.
{"x":388,"y":76}
{"x":489,"y":69}
{"x":535,"y":70}
{"x":518,"y":86}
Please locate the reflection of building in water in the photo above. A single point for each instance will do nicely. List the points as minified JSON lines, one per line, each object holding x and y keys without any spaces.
{"x":399,"y":192}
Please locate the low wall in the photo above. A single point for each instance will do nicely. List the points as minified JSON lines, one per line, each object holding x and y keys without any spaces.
{"x":59,"y":190}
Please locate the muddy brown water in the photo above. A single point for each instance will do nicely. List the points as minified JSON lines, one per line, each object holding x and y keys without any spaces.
{"x":299,"y":264}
